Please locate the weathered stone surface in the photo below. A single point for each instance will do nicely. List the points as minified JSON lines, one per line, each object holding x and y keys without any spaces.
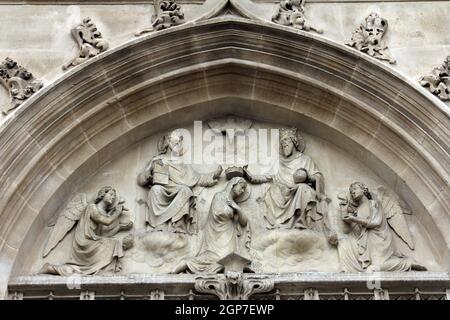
{"x":99,"y":124}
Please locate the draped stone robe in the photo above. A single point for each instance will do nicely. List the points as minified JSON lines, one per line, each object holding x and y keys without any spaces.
{"x":92,"y":250}
{"x":372,"y":245}
{"x":285,"y":197}
{"x":223,"y":235}
{"x":174,"y":200}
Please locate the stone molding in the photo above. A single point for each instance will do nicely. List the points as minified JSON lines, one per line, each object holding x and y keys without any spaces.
{"x":397,"y":126}
{"x":293,"y":286}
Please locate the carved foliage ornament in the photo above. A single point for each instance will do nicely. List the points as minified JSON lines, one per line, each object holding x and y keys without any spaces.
{"x":437,"y":82}
{"x":368,"y":38}
{"x":89,"y":40}
{"x":167,"y":14}
{"x":20,"y":83}
{"x":292,"y":13}
{"x":233,"y":286}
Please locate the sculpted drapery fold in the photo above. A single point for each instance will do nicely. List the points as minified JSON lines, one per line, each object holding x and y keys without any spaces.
{"x":368,"y":244}
{"x":292,"y":206}
{"x":95,"y":249}
{"x":170,"y":199}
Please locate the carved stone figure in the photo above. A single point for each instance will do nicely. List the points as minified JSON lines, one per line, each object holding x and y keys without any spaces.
{"x":20,"y":83}
{"x":226,"y":231}
{"x":89,"y":40}
{"x":94,"y":249}
{"x":167,"y":14}
{"x":292,"y":13}
{"x":368,"y":38}
{"x":437,"y":82}
{"x":232,"y":285}
{"x":296,"y":199}
{"x":368,"y":244}
{"x":170,"y":200}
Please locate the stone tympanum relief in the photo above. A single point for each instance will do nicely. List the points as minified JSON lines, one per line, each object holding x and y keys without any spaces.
{"x":89,"y":40}
{"x":167,"y":14}
{"x":171,"y":202}
{"x":292,"y":13}
{"x":95,"y":249}
{"x":437,"y":82}
{"x":368,"y":38}
{"x":369,"y":220}
{"x":273,"y":216}
{"x":20,"y":83}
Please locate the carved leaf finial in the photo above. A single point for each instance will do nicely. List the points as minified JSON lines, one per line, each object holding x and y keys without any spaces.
{"x":167,"y":14}
{"x":20,"y":83}
{"x":90,"y":42}
{"x":292,"y":13}
{"x":368,"y":38}
{"x":437,"y":82}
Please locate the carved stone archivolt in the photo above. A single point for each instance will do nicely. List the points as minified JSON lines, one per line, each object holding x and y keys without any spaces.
{"x":89,"y":40}
{"x":167,"y":14}
{"x":368,"y":38}
{"x":292,"y":13}
{"x":437,"y":82}
{"x":20,"y":83}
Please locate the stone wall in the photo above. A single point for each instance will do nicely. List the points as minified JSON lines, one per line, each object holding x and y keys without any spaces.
{"x":363,"y":119}
{"x":37,"y":34}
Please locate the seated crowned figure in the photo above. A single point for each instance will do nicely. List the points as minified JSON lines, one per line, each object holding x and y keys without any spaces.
{"x":294,"y":200}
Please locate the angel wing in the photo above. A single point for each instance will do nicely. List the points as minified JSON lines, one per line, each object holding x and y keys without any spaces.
{"x":69,"y":217}
{"x":395,"y":215}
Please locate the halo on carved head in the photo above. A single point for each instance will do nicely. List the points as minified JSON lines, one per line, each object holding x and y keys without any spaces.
{"x":234,"y":181}
{"x":295,"y":136}
{"x":103,"y":191}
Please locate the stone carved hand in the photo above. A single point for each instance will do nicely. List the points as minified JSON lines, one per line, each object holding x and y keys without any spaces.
{"x":233,"y":205}
{"x":348,"y":219}
{"x":354,"y":219}
{"x":218,"y":172}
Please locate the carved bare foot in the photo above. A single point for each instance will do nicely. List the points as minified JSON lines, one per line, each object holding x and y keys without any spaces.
{"x":418,"y":267}
{"x":299,"y":225}
{"x":47,"y":268}
{"x":373,"y":268}
{"x":182,"y":266}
